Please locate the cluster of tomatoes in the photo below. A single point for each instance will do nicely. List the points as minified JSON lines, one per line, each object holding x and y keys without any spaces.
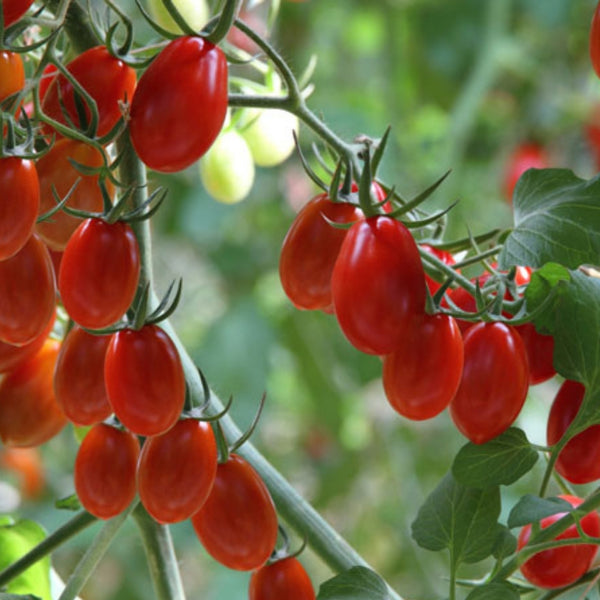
{"x":65,"y":235}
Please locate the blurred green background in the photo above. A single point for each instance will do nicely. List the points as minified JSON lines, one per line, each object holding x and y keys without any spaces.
{"x":462,"y":83}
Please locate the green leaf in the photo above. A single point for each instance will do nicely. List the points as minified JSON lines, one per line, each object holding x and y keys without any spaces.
{"x":506,"y":543}
{"x":16,"y":539}
{"x":69,"y":503}
{"x":550,"y":278}
{"x":494,"y":591}
{"x":532,"y":509}
{"x":557,"y":219}
{"x":18,"y":597}
{"x":358,"y":583}
{"x":500,"y":461}
{"x":459,"y":518}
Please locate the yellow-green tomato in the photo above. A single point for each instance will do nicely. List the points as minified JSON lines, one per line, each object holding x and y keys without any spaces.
{"x":195,"y":12}
{"x":269,"y":134}
{"x":227,"y":169}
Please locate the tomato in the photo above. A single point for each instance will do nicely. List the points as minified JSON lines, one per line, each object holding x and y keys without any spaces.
{"x":595,"y":40}
{"x":227,"y":168}
{"x":26,"y":463}
{"x":56,"y":171}
{"x":176,"y":471}
{"x":27,"y":293}
{"x":310,"y":249}
{"x":579,"y":460}
{"x":107,"y":79}
{"x":377,"y":284}
{"x":446,"y":257}
{"x":99,"y":273}
{"x":46,"y":78}
{"x":195,"y":12}
{"x":104,"y":470}
{"x":422,"y":375}
{"x":79,"y":377}
{"x":11,"y":356}
{"x":284,"y":578}
{"x":180,"y":104}
{"x":540,"y":353}
{"x":144,"y":380}
{"x":20,"y":193}
{"x":12,"y":73}
{"x":494,"y":384}
{"x":269,"y":135}
{"x":564,"y":565}
{"x":13,"y":10}
{"x":29,"y":413}
{"x":237,"y":524}
{"x":523,"y":157}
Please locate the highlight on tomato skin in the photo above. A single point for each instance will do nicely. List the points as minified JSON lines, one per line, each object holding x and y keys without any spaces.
{"x":562,"y":566}
{"x":284,"y":578}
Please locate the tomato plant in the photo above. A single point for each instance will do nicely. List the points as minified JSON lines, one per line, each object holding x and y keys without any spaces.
{"x":180,"y":104}
{"x":195,"y":12}
{"x":237,"y":524}
{"x":99,"y":272}
{"x":594,"y":41}
{"x":176,"y":471}
{"x":12,"y":74}
{"x":104,"y":471}
{"x":285,"y":578}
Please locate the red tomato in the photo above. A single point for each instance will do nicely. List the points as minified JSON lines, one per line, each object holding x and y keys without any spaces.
{"x":284,"y":578}
{"x":523,"y":157}
{"x":26,"y":463}
{"x":47,"y":77}
{"x":11,"y":356}
{"x":27,"y":293}
{"x":29,"y":413}
{"x":494,"y":383}
{"x":99,"y":273}
{"x":20,"y":193}
{"x":13,"y":10}
{"x":237,"y":524}
{"x":180,"y":104}
{"x":177,"y":470}
{"x":55,"y":171}
{"x":564,"y":565}
{"x":378,"y":284}
{"x":579,"y":460}
{"x":12,"y":73}
{"x":144,"y":380}
{"x":79,"y":377}
{"x":105,"y":470}
{"x":107,"y":79}
{"x":446,"y":257}
{"x":310,"y":249}
{"x":595,"y":40}
{"x":422,"y":375}
{"x":540,"y":353}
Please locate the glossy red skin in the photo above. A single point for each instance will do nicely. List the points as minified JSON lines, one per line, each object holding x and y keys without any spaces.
{"x":579,"y":460}
{"x":237,"y":524}
{"x":446,"y":257}
{"x":104,"y":470}
{"x":310,"y":249}
{"x":107,"y":79}
{"x":284,"y":578}
{"x":11,"y":356}
{"x":144,"y":380}
{"x":378,"y":284}
{"x":27,"y":293}
{"x":29,"y":413}
{"x":524,"y":157}
{"x":540,"y":353}
{"x":79,"y":377}
{"x":12,"y":74}
{"x":494,"y":384}
{"x":180,"y":104}
{"x":423,"y":374}
{"x":595,"y":41}
{"x":13,"y":10}
{"x":561,"y":566}
{"x":99,"y":273}
{"x":55,"y":170}
{"x":177,"y":470}
{"x":20,"y":193}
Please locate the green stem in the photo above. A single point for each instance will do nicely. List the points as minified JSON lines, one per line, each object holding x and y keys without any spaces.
{"x":56,"y":539}
{"x":93,"y":555}
{"x":160,"y":553}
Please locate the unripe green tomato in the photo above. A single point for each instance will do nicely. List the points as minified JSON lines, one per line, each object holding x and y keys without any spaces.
{"x":269,"y":135}
{"x":227,"y":169}
{"x":195,"y":12}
